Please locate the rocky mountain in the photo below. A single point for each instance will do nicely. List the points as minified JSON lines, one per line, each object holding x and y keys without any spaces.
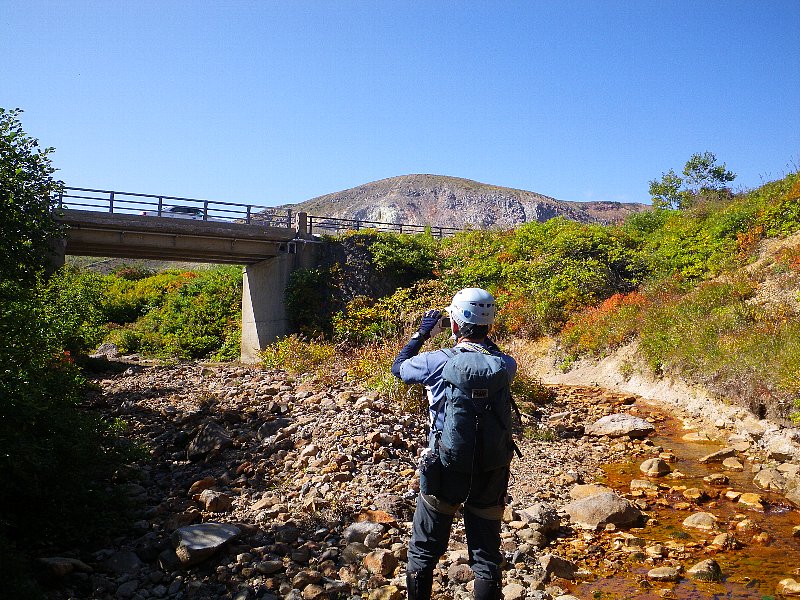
{"x":455,"y":202}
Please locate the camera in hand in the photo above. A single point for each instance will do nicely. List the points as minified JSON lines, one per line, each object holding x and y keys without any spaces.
{"x":444,"y":322}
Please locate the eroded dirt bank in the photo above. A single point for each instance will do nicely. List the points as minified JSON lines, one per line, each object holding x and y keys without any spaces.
{"x":259,"y":486}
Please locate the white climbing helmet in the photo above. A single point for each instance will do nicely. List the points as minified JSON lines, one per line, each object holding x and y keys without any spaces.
{"x":473,"y":305}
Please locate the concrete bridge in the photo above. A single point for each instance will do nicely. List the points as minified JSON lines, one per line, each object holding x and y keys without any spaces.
{"x":269,"y":242}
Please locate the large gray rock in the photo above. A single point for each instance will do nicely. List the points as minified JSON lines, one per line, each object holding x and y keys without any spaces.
{"x":210,"y":437}
{"x":601,"y":509}
{"x":718,"y":456}
{"x":619,"y":425}
{"x":196,"y":543}
{"x":664,"y":574}
{"x":543,"y":515}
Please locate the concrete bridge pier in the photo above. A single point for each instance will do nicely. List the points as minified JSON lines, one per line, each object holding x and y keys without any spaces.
{"x":264,"y":316}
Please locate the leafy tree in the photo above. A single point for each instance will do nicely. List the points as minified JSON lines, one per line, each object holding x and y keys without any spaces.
{"x":27,"y":189}
{"x":701,"y":175}
{"x":51,"y":453}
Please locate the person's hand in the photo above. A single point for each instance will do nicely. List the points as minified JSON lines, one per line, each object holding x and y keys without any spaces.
{"x":430,"y":323}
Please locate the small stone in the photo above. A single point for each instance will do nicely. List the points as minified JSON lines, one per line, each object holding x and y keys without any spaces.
{"x":726,"y":541}
{"x":732,"y":464}
{"x":695,"y":495}
{"x":314,"y":592}
{"x":381,"y":562}
{"x":770,"y":480}
{"x":196,"y":543}
{"x":386,"y":592}
{"x":216,"y":501}
{"x":560,"y":567}
{"x":655,"y":467}
{"x":796,"y":531}
{"x":513,"y":591}
{"x":701,"y":520}
{"x":664,"y":574}
{"x":460,"y":573}
{"x":717,"y":479}
{"x":752,"y":501}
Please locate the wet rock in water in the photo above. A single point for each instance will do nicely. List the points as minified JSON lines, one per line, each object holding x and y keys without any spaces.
{"x":793,"y":491}
{"x":664,"y":574}
{"x":644,"y":485}
{"x":717,"y":479}
{"x":796,"y":531}
{"x":718,"y":456}
{"x":726,"y":541}
{"x":602,"y":509}
{"x":196,"y":543}
{"x":694,"y":495}
{"x":788,"y":587}
{"x":752,"y":501}
{"x":701,"y":520}
{"x":655,"y":467}
{"x":560,"y":567}
{"x":770,"y":480}
{"x":732,"y":464}
{"x":706,"y":570}
{"x":620,"y":424}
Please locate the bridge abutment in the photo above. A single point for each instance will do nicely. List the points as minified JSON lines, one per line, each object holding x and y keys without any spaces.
{"x":264,"y":316}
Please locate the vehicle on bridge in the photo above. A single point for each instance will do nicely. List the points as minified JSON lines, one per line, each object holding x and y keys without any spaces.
{"x":179,"y":212}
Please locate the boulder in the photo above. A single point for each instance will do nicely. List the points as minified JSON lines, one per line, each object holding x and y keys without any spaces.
{"x":783,"y":444}
{"x":513,"y":591}
{"x":706,"y":570}
{"x":460,"y":573}
{"x":619,"y":425}
{"x":732,"y":464}
{"x":386,"y":592}
{"x":358,"y":532}
{"x":601,"y":509}
{"x":196,"y":543}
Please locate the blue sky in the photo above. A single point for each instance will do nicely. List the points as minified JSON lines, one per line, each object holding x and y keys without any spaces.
{"x":275,"y":102}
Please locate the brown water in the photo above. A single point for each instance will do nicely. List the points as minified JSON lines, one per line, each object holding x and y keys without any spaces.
{"x":750,"y":572}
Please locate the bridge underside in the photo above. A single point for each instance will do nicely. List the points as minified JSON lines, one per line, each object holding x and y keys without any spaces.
{"x":133,"y":236}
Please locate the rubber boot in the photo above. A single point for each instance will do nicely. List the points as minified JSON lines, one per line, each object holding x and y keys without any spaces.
{"x":487,"y":589}
{"x":419,"y":584}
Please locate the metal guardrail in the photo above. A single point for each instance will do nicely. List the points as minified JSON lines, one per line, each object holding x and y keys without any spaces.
{"x":162,"y":206}
{"x":337,"y":224}
{"x":157,"y":206}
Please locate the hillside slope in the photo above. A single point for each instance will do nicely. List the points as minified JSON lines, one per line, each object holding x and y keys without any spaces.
{"x":455,"y":202}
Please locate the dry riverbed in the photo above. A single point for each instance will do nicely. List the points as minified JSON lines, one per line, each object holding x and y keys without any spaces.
{"x":260,"y":486}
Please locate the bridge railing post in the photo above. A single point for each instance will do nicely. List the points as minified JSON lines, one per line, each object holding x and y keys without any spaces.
{"x":160,"y":205}
{"x":111,"y":202}
{"x":248,"y":214}
{"x":205,"y":210}
{"x":289,"y":218}
{"x":302,"y":224}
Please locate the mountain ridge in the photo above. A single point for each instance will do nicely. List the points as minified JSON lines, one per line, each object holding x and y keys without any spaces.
{"x":426,"y":199}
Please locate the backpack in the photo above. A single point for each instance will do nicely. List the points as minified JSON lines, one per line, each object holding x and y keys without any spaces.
{"x":476,"y":436}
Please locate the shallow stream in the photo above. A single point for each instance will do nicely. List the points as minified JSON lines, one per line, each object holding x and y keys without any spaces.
{"x":750,"y":572}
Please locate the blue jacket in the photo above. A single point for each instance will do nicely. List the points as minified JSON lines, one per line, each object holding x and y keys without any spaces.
{"x":426,"y":368}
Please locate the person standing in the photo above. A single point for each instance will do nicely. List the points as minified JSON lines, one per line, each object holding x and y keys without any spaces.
{"x":442,"y":492}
